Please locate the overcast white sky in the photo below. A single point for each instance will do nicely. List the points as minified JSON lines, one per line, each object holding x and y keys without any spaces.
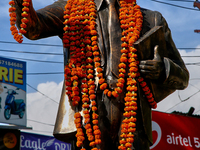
{"x":40,"y":108}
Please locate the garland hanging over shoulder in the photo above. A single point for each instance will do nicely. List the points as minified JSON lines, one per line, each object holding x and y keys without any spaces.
{"x":80,"y":38}
{"x":25,"y":12}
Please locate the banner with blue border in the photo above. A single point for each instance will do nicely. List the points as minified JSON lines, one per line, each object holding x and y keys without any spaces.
{"x":12,"y":91}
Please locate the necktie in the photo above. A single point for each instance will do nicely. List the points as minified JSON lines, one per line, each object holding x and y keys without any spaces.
{"x":114,"y":31}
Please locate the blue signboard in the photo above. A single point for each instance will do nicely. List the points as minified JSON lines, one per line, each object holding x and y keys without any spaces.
{"x":31,"y":141}
{"x":12,"y":91}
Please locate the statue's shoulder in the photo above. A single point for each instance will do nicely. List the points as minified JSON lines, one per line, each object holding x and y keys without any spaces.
{"x":152,"y":17}
{"x":150,"y":12}
{"x":59,"y":4}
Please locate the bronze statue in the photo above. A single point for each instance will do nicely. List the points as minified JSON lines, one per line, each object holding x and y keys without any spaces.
{"x":161,"y":66}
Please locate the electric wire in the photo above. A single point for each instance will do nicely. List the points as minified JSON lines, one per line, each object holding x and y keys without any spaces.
{"x":197,"y":63}
{"x":173,"y":106}
{"x":42,"y":93}
{"x":181,"y":101}
{"x":44,"y":73}
{"x":199,"y":91}
{"x":189,"y":48}
{"x":39,"y":53}
{"x":26,"y":52}
{"x":61,"y":54}
{"x":180,"y":0}
{"x":31,"y":44}
{"x":34,"y":60}
{"x":62,"y":62}
{"x":40,"y":122}
{"x":3,"y":50}
{"x":6,"y":42}
{"x":175,"y":5}
{"x":195,"y":79}
{"x":197,"y":111}
{"x":25,"y":59}
{"x":40,"y":131}
{"x":187,"y":97}
{"x":190,"y":56}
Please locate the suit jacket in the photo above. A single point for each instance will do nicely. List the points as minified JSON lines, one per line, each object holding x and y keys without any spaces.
{"x":49,"y":22}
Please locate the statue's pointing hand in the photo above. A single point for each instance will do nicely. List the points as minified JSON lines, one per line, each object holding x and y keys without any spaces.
{"x":152,"y":69}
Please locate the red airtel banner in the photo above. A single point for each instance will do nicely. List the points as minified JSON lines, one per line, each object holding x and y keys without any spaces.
{"x":175,"y":132}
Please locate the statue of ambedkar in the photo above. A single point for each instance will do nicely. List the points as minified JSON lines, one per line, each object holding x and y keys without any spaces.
{"x":120,"y":61}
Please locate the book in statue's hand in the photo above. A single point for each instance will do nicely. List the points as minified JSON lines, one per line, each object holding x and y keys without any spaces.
{"x":145,"y":45}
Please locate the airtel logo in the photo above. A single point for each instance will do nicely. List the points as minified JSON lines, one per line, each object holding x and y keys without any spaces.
{"x":156,"y":128}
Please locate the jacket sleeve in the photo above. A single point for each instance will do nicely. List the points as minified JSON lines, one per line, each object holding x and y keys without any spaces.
{"x":44,"y":22}
{"x":176,"y":73}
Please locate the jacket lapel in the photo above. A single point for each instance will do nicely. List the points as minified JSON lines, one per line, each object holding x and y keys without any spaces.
{"x":109,"y":57}
{"x":98,"y":3}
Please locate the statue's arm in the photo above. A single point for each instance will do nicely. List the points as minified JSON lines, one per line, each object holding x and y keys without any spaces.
{"x":176,"y":73}
{"x":44,"y":22}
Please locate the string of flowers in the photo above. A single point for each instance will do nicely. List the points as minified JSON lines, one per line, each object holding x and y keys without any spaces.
{"x":25,"y":12}
{"x":131,"y":23}
{"x":80,"y":43}
{"x":73,"y":71}
{"x":92,"y":95}
{"x":123,"y":59}
{"x":90,"y":70}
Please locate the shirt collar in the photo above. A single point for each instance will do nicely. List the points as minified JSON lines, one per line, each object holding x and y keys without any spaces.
{"x":100,"y":2}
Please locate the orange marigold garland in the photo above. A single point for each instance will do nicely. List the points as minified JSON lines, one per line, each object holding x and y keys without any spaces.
{"x":127,"y":11}
{"x":147,"y":92}
{"x":80,"y":38}
{"x":94,"y":51}
{"x":79,"y":134}
{"x":25,"y":12}
{"x":131,"y":22}
{"x":90,"y":69}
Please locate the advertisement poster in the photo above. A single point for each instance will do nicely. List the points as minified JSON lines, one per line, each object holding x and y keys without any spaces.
{"x":174,"y":132}
{"x":12,"y":91}
{"x":40,"y":142}
{"x":10,"y":139}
